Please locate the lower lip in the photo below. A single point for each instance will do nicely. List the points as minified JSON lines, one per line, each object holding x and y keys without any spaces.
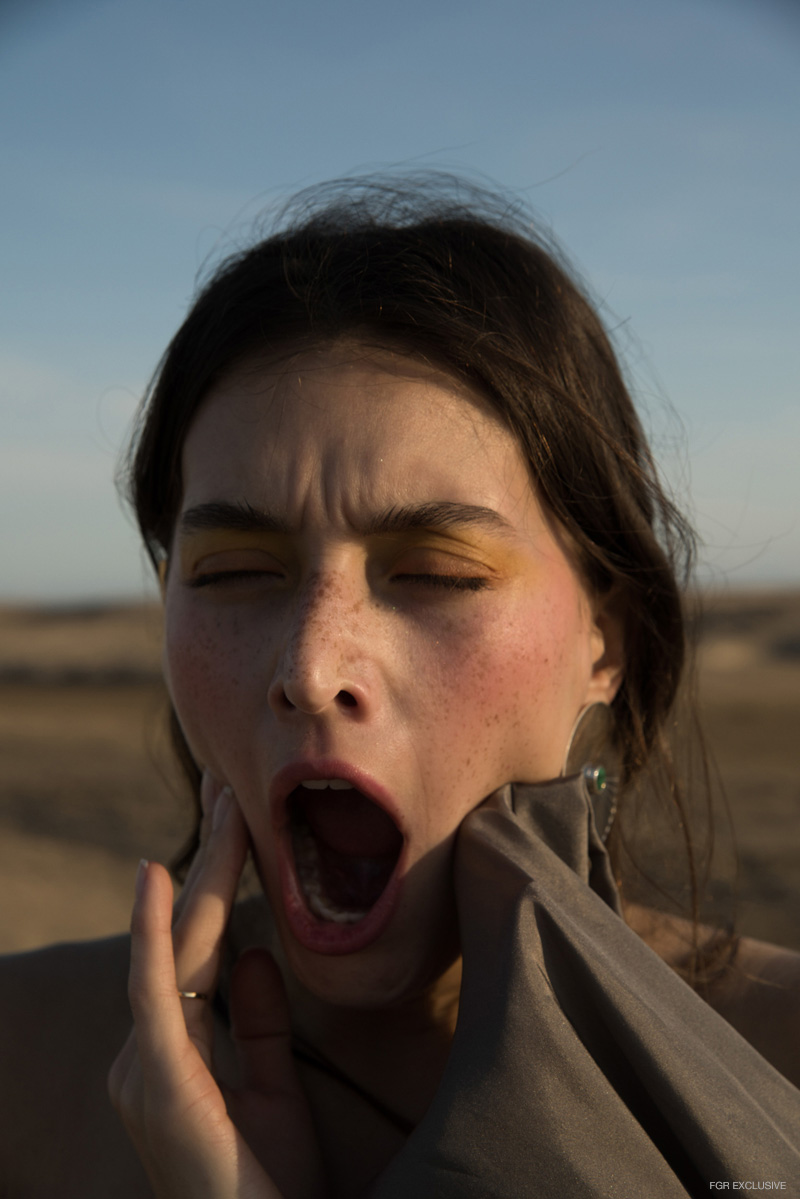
{"x":326,"y":936}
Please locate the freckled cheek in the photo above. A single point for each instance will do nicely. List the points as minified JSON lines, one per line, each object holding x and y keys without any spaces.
{"x":485,"y":671}
{"x":205,"y":670}
{"x":501,"y":700}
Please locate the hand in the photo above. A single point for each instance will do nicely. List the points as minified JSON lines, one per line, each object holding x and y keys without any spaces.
{"x":253,"y":1142}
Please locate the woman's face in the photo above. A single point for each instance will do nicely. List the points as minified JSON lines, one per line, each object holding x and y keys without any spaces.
{"x":364,"y":589}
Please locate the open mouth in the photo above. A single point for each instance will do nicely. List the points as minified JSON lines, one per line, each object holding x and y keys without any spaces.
{"x":345,"y":849}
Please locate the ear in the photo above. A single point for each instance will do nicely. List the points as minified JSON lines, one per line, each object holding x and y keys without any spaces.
{"x":608,"y":647}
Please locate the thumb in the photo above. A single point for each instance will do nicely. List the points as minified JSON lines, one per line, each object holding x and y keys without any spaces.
{"x":271,"y":1109}
{"x":261,"y":1025}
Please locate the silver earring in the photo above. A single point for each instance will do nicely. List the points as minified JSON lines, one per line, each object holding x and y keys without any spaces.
{"x":592,"y":751}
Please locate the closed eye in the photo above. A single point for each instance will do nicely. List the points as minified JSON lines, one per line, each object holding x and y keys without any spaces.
{"x":216,"y":577}
{"x":220,"y":565}
{"x":447,"y":582}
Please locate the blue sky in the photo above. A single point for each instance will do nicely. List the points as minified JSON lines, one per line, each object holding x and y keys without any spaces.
{"x":656,"y":138}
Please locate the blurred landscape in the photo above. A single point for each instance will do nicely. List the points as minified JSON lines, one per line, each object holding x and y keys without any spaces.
{"x":87,"y":786}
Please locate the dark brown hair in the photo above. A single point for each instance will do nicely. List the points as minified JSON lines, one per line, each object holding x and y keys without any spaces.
{"x":460,"y":279}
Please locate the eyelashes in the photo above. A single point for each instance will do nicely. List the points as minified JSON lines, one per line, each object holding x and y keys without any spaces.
{"x":446,"y":582}
{"x":443,"y":582}
{"x":216,"y":577}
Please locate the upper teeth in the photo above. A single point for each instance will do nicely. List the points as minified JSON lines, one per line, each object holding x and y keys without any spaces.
{"x":321,"y":784}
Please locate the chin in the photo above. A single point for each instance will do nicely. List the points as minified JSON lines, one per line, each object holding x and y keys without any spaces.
{"x":358,"y":982}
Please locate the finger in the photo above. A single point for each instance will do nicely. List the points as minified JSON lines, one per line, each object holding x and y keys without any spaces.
{"x":120,"y":1072}
{"x":198,"y":932}
{"x":261,"y":1024}
{"x":210,"y":790}
{"x":161,"y":1039}
{"x":271,"y":1095}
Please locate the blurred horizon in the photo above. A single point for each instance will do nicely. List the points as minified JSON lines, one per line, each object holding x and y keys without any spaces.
{"x":96,"y":604}
{"x":657,"y":139}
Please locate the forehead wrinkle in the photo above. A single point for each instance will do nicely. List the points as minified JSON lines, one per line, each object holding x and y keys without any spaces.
{"x":312,"y":488}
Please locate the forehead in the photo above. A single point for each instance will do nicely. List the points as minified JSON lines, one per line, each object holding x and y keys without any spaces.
{"x":367,"y":420}
{"x":347,"y":377}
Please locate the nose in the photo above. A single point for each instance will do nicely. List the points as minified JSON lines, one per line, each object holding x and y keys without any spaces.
{"x":324,"y":665}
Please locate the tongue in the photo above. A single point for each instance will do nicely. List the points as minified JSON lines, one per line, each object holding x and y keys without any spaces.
{"x":349,"y":823}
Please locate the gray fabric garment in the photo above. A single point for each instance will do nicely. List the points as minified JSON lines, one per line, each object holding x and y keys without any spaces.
{"x":581,"y":1064}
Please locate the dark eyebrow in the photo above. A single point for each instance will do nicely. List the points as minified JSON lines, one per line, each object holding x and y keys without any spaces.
{"x":435,"y":514}
{"x":224,"y":515}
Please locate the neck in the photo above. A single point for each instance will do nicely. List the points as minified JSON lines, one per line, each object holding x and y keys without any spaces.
{"x":432,"y":1011}
{"x":398,"y":1053}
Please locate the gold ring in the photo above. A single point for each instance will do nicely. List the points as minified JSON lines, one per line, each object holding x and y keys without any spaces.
{"x":192,"y":994}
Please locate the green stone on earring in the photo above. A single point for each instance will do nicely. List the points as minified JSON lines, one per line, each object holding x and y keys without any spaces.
{"x":596,"y":777}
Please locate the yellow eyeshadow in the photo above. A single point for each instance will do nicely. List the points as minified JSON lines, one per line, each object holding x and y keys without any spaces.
{"x":196,"y":547}
{"x":466,"y":552}
{"x":451,"y":551}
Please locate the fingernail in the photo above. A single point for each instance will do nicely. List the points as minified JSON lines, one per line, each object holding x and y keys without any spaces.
{"x":141,"y":875}
{"x":222,"y":807}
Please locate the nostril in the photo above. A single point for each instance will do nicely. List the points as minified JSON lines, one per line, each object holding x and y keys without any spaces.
{"x":291,"y":695}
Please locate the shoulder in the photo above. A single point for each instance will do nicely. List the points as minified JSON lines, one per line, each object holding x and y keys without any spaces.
{"x":757,"y":990}
{"x":63,"y":1018}
{"x":759,"y":994}
{"x":69,"y":966}
{"x":47,"y":993}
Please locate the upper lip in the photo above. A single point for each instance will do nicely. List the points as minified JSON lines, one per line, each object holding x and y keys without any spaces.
{"x":295,"y":773}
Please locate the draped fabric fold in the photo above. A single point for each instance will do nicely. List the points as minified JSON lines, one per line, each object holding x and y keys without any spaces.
{"x":581,"y":1064}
